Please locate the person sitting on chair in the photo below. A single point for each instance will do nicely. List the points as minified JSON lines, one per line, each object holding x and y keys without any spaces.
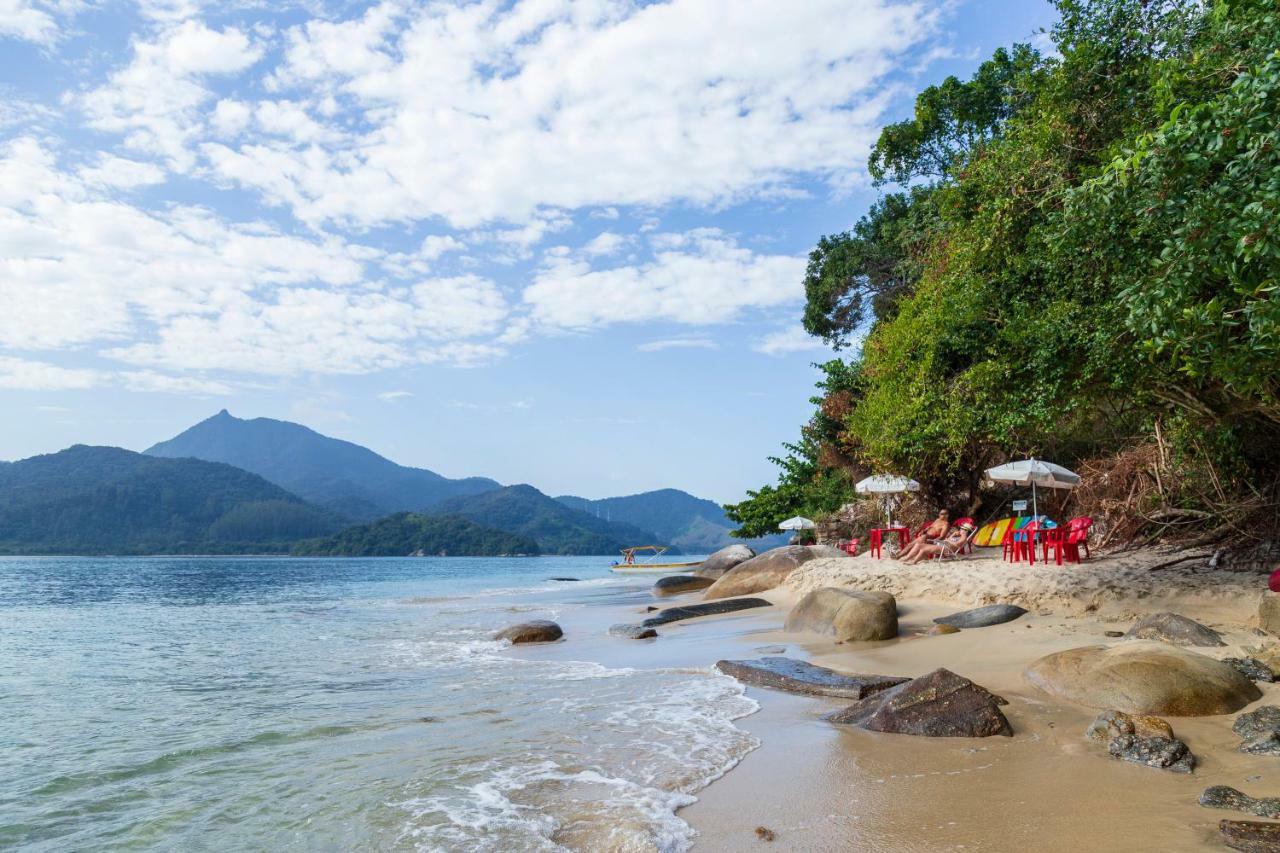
{"x":952,"y":544}
{"x":936,"y":530}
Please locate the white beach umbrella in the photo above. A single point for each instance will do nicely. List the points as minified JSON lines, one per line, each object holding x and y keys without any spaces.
{"x":886,"y":484}
{"x":797,"y":523}
{"x":1035,"y":473}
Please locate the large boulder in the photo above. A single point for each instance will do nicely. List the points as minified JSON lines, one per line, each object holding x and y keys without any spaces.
{"x":677,"y":584}
{"x":1144,"y":677}
{"x":537,"y":631}
{"x":706,"y":608}
{"x":982,"y":617}
{"x":847,"y":614}
{"x":940,"y":704}
{"x":1176,"y":629}
{"x":797,"y":676}
{"x":723,"y":560}
{"x":766,"y":570}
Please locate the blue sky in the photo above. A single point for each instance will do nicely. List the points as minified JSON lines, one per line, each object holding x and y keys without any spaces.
{"x":548,"y":241}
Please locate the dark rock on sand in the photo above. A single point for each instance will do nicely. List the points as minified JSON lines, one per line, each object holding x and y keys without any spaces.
{"x":706,"y":608}
{"x":797,"y":676}
{"x":537,"y":631}
{"x":723,"y":560}
{"x":849,"y":615}
{"x":766,"y":570}
{"x":676,"y":584}
{"x":1159,"y":752}
{"x":1112,"y":724}
{"x":632,"y":632}
{"x":1176,"y":629}
{"x":1113,"y":633}
{"x":764,"y":833}
{"x":981,"y":617}
{"x":940,"y":704}
{"x":1250,"y":836}
{"x":1252,"y":668}
{"x":1144,"y":677}
{"x":1225,"y":797}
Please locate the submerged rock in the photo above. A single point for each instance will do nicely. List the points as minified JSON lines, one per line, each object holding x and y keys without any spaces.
{"x":940,"y":704}
{"x":723,"y":560}
{"x":676,"y":584}
{"x":847,"y":614}
{"x":1225,"y":797}
{"x":1250,"y":836}
{"x":632,"y":632}
{"x":1160,"y":752}
{"x":537,"y":631}
{"x":981,"y":617}
{"x":797,"y":676}
{"x":1252,"y":668}
{"x":565,"y":580}
{"x":708,"y":608}
{"x":767,"y":570}
{"x":1111,"y":724}
{"x":1143,"y":677}
{"x":1176,"y":629}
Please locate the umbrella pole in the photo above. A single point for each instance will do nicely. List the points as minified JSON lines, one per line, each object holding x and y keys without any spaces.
{"x":1035,"y":510}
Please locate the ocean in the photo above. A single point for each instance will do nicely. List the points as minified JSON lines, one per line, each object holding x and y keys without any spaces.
{"x":347,"y":704}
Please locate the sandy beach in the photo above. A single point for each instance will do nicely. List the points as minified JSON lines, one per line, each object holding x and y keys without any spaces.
{"x":818,"y":786}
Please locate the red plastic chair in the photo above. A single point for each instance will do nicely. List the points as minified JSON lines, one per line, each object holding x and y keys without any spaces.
{"x":1077,"y":538}
{"x":1055,"y":538}
{"x":849,"y":546}
{"x":1024,"y":543}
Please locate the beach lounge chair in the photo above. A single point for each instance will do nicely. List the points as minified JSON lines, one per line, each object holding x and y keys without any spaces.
{"x":965,"y":545}
{"x":1077,"y":537}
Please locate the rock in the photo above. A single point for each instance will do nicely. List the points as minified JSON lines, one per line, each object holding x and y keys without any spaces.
{"x":847,"y":614}
{"x":1111,"y":724}
{"x":1267,"y":744}
{"x":943,"y":629}
{"x":632,"y":632}
{"x":1172,"y":628}
{"x":1113,"y":633}
{"x":797,"y":676}
{"x":940,"y":704}
{"x":565,"y":580}
{"x":537,"y":631}
{"x":770,"y":650}
{"x":676,"y":584}
{"x":1160,"y":752}
{"x":1259,"y":722}
{"x":1252,"y":668}
{"x":766,"y":570}
{"x":764,"y":833}
{"x":708,"y":608}
{"x":723,"y":560}
{"x":981,"y":617}
{"x":1224,"y":797}
{"x":1268,"y":653}
{"x":1250,"y":836}
{"x":1143,"y":677}
{"x":1269,"y":613}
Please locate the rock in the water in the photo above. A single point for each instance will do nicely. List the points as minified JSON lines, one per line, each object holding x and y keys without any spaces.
{"x":1252,"y":668}
{"x":847,"y":614}
{"x":706,"y":608}
{"x":797,"y":676}
{"x":565,"y":580}
{"x":723,"y":560}
{"x":1111,"y":724}
{"x":632,"y":632}
{"x":940,"y":704}
{"x":1225,"y":797}
{"x":981,"y":617}
{"x":1113,"y":633}
{"x":936,"y":630}
{"x":1268,"y":653}
{"x":1269,"y":613}
{"x":676,"y":584}
{"x":1176,"y":629}
{"x":1160,"y":752}
{"x":766,"y":570}
{"x":1261,"y":721}
{"x":537,"y":631}
{"x":1251,"y":836}
{"x":1267,"y":744}
{"x":1144,"y":677}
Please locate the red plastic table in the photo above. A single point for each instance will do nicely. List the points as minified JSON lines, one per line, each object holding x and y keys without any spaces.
{"x":877,"y":534}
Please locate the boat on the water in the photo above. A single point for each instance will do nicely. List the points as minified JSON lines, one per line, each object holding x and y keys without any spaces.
{"x":648,"y":565}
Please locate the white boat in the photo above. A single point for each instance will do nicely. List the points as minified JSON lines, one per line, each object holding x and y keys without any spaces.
{"x":648,"y":566}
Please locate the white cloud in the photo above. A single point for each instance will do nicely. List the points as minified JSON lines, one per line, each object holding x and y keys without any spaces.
{"x":790,"y":340}
{"x":605,"y":243}
{"x":698,"y":278}
{"x":26,"y":375}
{"x":677,"y":343}
{"x":392,"y":396}
{"x":33,"y":20}
{"x":112,"y":171}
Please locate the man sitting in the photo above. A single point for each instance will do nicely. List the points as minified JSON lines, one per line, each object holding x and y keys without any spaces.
{"x":936,"y":530}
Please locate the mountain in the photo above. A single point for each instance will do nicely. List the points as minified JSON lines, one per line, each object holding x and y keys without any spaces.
{"x":98,"y":500}
{"x":342,"y":476}
{"x":407,"y":534}
{"x":558,"y":529}
{"x":694,"y":525}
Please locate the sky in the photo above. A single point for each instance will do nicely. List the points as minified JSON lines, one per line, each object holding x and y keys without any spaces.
{"x":559,"y":242}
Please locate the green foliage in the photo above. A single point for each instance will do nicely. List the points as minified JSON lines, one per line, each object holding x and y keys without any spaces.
{"x":408,"y":534}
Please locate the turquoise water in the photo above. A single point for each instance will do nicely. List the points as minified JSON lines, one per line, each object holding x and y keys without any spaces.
{"x":260,"y":703}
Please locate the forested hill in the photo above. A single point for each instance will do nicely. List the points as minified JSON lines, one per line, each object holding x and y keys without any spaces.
{"x":327,"y":471}
{"x":99,"y":500}
{"x":408,"y":534}
{"x":692,"y":524}
{"x":1077,"y":258}
{"x":557,"y":529}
